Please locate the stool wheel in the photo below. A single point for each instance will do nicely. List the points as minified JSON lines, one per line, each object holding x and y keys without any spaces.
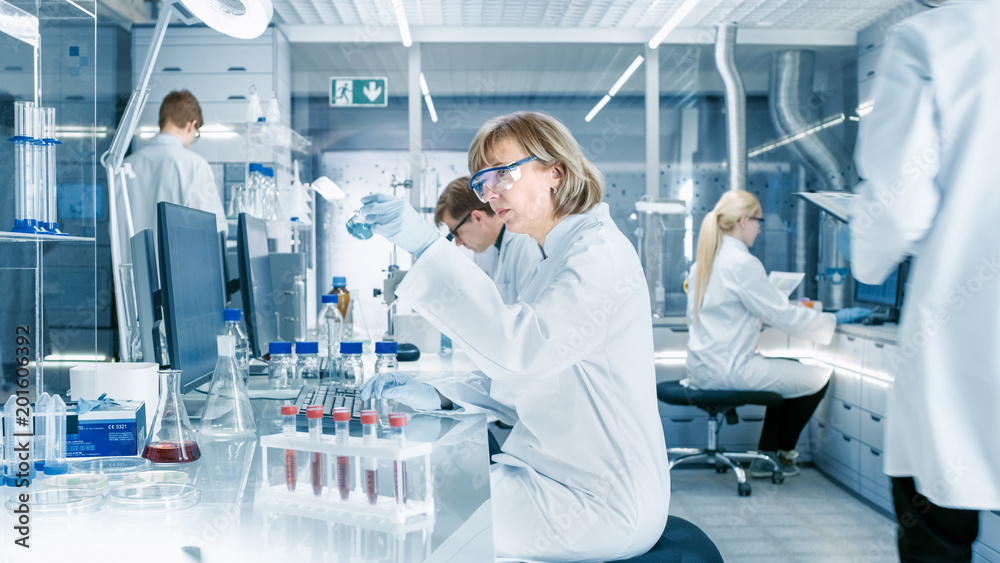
{"x":743,"y":489}
{"x":778,"y":477}
{"x":721,"y":468}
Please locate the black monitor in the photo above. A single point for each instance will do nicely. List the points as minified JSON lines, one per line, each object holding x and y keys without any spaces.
{"x":255,"y":284}
{"x":886,"y":299}
{"x":147,"y":293}
{"x":192,"y":290}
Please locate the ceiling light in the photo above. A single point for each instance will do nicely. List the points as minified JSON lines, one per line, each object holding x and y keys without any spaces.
{"x":404,"y":28}
{"x":604,"y":101}
{"x":673,"y":22}
{"x":614,"y":89}
{"x":427,"y":98}
{"x":243,"y":19}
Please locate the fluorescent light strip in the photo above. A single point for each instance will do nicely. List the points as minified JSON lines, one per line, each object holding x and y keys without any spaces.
{"x":835,"y":120}
{"x":624,"y":77}
{"x":865,"y":108}
{"x":404,"y":27}
{"x":427,"y":98}
{"x":423,"y":85}
{"x":672,"y":23}
{"x":604,"y":101}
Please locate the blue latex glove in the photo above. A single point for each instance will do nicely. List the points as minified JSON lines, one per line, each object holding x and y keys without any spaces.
{"x":852,"y":314}
{"x":844,"y":241}
{"x":399,"y":222}
{"x":87,"y":405}
{"x":402,"y":388}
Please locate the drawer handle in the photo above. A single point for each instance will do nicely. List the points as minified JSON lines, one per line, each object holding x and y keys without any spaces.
{"x":171,"y":69}
{"x":879,"y":345}
{"x":846,"y":438}
{"x":877,"y":418}
{"x":870,"y":46}
{"x":236,"y":69}
{"x":821,"y":425}
{"x":236,"y":97}
{"x":871,"y":73}
{"x":846,"y":406}
{"x":685,"y":420}
{"x":875,"y":452}
{"x":851,"y":338}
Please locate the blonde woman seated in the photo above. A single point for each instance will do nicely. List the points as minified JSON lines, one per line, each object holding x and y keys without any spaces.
{"x":730,"y":298}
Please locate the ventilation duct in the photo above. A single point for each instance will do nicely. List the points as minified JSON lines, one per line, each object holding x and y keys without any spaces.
{"x":736,"y":104}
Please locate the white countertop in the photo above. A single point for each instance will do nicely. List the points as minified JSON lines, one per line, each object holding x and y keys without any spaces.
{"x":887,"y":333}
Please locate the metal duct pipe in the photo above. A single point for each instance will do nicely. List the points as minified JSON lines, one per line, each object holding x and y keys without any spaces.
{"x":736,"y":104}
{"x":793,"y":110}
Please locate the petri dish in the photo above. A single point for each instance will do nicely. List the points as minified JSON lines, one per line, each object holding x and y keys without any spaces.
{"x":153,"y":497}
{"x":94,"y":482}
{"x":116,"y":468}
{"x":166,"y":476}
{"x":58,"y":503}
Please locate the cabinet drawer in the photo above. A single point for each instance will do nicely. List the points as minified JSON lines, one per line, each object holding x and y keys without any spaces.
{"x":880,"y":358}
{"x":773,"y":342}
{"x":211,"y":87}
{"x":744,"y":435}
{"x":838,"y":471}
{"x":866,"y":92}
{"x":799,"y":348}
{"x":874,"y":394}
{"x":871,"y":471}
{"x":846,"y":385}
{"x":679,"y":411}
{"x":869,"y":38}
{"x":877,"y":497}
{"x":840,"y":416}
{"x":217,"y":59}
{"x":846,"y":351}
{"x":868,"y":63}
{"x":989,"y":530}
{"x":872,"y":429}
{"x":213,"y":112}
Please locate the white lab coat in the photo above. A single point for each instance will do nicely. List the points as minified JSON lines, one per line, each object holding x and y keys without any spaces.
{"x":722,"y":344}
{"x":519,"y":256}
{"x":583,"y":475}
{"x":166,"y":171}
{"x":928,"y":155}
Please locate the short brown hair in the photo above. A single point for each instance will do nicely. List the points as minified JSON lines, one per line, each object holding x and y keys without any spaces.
{"x":179,"y":108}
{"x":458,"y":200}
{"x":540,"y":134}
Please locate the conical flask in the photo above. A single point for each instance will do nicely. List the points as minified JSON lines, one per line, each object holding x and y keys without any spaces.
{"x":227,"y":413}
{"x":171,"y":438}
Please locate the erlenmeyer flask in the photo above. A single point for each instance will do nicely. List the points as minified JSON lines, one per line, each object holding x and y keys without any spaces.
{"x":227,"y":413}
{"x":171,"y":438}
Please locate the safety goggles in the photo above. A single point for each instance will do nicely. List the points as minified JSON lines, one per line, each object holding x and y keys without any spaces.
{"x":498,"y":179}
{"x":452,"y":233}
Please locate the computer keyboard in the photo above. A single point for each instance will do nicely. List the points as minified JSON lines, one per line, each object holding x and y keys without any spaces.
{"x":331,"y":397}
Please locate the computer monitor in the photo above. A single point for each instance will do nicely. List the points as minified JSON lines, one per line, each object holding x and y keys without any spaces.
{"x":255,"y":284}
{"x":147,"y":293}
{"x":886,"y":298}
{"x":192,"y":290}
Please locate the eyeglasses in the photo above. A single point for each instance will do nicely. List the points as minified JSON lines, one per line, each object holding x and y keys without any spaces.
{"x":454,"y":232}
{"x":497,"y":179}
{"x":760,"y":220}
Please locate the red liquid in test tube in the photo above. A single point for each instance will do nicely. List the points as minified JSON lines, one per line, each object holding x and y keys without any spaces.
{"x":369,"y":424}
{"x":288,"y":429}
{"x":315,"y":416}
{"x":342,"y":418}
{"x":397,"y":431}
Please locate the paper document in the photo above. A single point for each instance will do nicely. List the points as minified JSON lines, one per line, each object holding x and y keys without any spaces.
{"x":786,"y":282}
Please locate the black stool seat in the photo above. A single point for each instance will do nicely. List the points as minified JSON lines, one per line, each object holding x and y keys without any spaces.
{"x":681,"y":542}
{"x":672,"y":392}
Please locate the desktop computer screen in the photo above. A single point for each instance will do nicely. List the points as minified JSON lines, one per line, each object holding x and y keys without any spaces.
{"x":147,"y":292}
{"x":255,"y":284}
{"x":192,"y":290}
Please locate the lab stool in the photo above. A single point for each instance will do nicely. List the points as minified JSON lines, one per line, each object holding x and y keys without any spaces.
{"x":719,"y":404}
{"x":681,"y":542}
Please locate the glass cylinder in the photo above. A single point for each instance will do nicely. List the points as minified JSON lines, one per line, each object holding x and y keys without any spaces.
{"x":171,"y":438}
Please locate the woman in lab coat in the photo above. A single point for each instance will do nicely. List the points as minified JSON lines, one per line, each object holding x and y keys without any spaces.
{"x":729,"y":299}
{"x":583,"y":475}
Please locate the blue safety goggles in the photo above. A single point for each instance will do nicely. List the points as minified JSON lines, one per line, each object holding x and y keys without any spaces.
{"x":497,"y":179}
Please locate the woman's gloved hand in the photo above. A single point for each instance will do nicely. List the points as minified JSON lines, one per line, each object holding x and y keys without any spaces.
{"x":402,"y":388}
{"x":852,"y":314}
{"x":399,"y":222}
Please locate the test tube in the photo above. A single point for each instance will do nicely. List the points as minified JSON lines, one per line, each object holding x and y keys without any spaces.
{"x":23,"y":182}
{"x":39,"y":169}
{"x":342,"y":418}
{"x":314,"y":414}
{"x":288,"y":413}
{"x":397,"y":431}
{"x":369,"y":427}
{"x":55,"y":437}
{"x":41,"y":408}
{"x":51,"y":210}
{"x":9,"y":414}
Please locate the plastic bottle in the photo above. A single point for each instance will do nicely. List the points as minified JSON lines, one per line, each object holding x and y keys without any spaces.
{"x":307,"y":365}
{"x":397,"y":432}
{"x":281,"y":368}
{"x":41,"y":407}
{"x":351,"y":365}
{"x":288,"y":413}
{"x":343,"y":303}
{"x":314,"y":414}
{"x":55,"y":436}
{"x":227,"y":410}
{"x":370,"y":433}
{"x":234,"y":328}
{"x":342,"y":419}
{"x":385,"y":362}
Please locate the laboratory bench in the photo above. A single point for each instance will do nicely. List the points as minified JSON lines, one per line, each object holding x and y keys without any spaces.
{"x":235,"y":521}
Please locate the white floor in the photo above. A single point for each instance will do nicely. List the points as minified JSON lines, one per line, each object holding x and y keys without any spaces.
{"x":808,"y":518}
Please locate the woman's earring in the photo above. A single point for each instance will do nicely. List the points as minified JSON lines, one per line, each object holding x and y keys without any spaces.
{"x":553,"y":190}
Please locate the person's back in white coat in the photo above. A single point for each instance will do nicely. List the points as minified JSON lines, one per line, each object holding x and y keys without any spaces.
{"x":167,"y":170}
{"x":729,"y":299}
{"x":928,"y":156}
{"x":583,"y":475}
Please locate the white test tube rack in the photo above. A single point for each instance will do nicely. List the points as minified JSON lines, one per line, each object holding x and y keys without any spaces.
{"x":386,"y":508}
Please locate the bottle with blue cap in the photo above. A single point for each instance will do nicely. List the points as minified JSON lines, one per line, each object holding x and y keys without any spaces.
{"x":307,"y":366}
{"x":385,"y":357}
{"x":281,"y":367}
{"x":328,"y":327}
{"x":343,"y":304}
{"x":351,"y":365}
{"x":234,"y":328}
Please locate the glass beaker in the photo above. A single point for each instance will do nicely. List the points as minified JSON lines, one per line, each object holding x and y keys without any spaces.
{"x":227,"y":413}
{"x":171,"y":438}
{"x":358,"y":228}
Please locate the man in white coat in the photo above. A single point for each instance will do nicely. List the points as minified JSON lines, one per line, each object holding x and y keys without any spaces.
{"x":927,"y":153}
{"x":166,"y":170}
{"x":473,"y":224}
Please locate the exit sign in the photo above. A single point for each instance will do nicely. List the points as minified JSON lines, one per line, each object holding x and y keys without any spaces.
{"x":358,"y":92}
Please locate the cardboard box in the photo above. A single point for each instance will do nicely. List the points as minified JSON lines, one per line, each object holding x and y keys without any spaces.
{"x":114,"y":431}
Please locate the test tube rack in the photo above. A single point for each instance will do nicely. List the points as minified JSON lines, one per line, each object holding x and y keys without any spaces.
{"x":387,"y":508}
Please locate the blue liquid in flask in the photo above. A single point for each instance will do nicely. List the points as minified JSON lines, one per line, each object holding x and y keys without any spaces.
{"x":358,"y":228}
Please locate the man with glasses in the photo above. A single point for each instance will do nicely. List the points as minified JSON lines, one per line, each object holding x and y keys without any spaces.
{"x":166,"y":169}
{"x":473,"y":224}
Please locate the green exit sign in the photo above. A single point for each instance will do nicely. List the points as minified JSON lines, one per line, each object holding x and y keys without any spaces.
{"x":358,"y":92}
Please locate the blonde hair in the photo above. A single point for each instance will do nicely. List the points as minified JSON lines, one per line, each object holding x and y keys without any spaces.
{"x":458,"y":200}
{"x":540,"y":134}
{"x":733,"y":206}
